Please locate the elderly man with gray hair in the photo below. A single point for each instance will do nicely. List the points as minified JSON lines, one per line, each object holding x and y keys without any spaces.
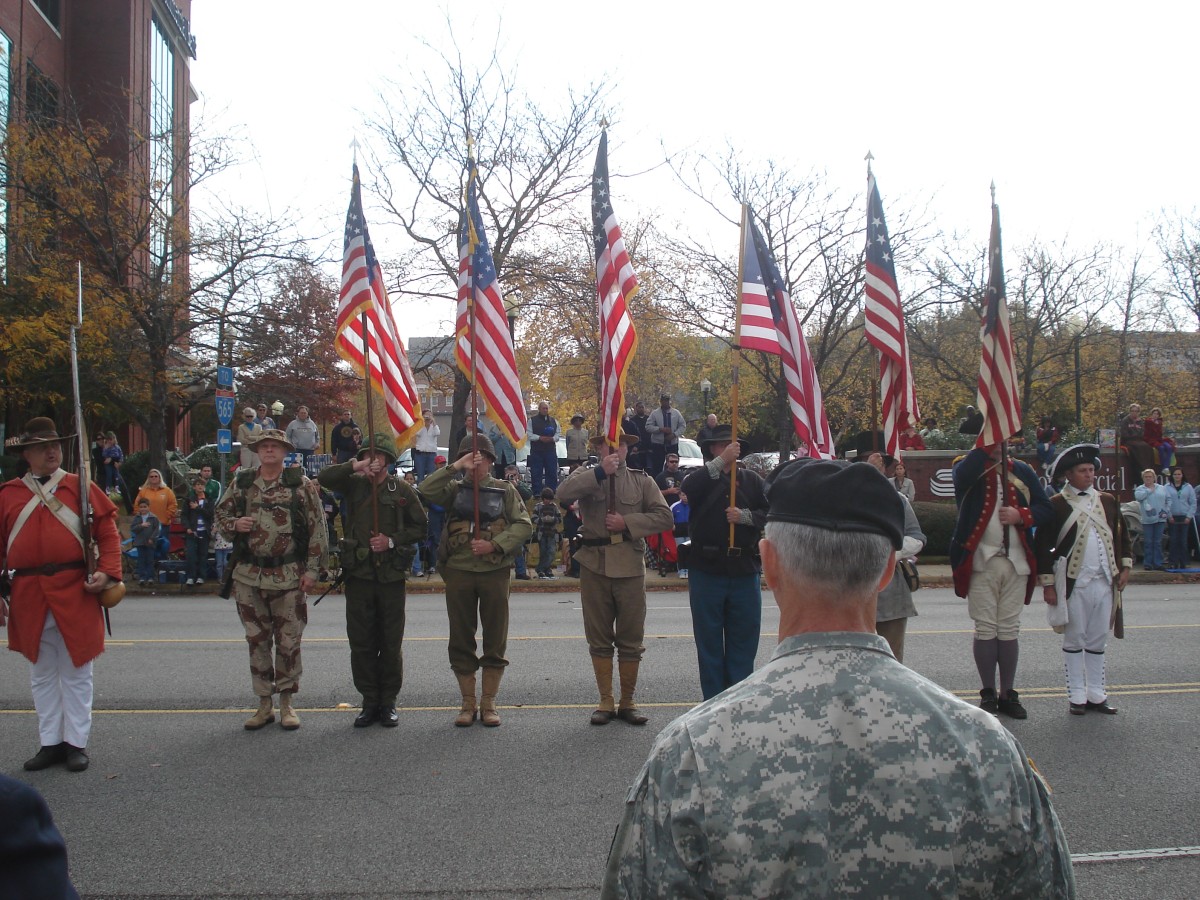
{"x":834,"y":771}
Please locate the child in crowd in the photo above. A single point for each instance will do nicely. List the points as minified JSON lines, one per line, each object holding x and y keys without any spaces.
{"x":546,"y":519}
{"x":197,"y":519}
{"x":144,"y":529}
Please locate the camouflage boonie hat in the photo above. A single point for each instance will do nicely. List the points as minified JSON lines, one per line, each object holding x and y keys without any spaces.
{"x":482,"y":443}
{"x":271,"y":434}
{"x":383,"y":444}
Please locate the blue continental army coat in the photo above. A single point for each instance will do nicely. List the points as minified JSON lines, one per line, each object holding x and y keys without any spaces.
{"x":975,"y":495}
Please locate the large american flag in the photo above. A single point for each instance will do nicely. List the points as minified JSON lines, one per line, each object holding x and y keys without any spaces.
{"x":495,"y":360}
{"x":768,"y":322}
{"x":363,"y":302}
{"x":884,"y":318}
{"x":999,"y":393}
{"x":616,"y":284}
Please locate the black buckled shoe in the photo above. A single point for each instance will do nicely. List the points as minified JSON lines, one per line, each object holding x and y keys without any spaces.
{"x":47,"y":757}
{"x":369,"y":716}
{"x":1102,"y":707}
{"x":77,"y":759}
{"x":987,"y":701}
{"x":388,"y":717}
{"x":1010,"y":705}
{"x":1079,"y":709}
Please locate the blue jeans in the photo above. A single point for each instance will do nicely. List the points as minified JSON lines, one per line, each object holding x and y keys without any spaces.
{"x":1152,"y":535}
{"x":543,"y":470}
{"x":423,"y":464}
{"x":727,"y":624}
{"x":1046,"y":453}
{"x":547,"y":548}
{"x":1178,"y":529}
{"x":145,"y":563}
{"x":197,"y":555}
{"x":519,"y":562}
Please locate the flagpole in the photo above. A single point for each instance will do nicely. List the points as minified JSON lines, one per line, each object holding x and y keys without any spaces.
{"x":737,"y":357}
{"x":471,"y":330}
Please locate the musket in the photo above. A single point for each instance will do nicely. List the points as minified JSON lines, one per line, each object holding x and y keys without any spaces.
{"x":112,"y":595}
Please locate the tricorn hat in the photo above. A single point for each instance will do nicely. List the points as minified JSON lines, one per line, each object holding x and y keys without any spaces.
{"x":601,"y":440}
{"x":270,"y":434}
{"x":37,"y":431}
{"x":480,"y":442}
{"x":384,"y":444}
{"x":1074,"y":456}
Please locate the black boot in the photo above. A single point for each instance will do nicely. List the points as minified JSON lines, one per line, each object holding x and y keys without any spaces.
{"x":368,"y":716}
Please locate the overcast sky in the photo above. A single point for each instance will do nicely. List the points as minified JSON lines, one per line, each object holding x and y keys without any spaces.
{"x":1083,"y":114}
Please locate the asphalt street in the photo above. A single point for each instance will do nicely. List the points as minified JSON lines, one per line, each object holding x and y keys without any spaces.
{"x":180,"y":801}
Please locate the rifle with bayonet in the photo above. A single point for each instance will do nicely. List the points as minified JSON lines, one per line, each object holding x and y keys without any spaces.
{"x":111,"y":595}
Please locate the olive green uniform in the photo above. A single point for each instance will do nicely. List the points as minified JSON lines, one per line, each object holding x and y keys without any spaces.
{"x":270,"y":561}
{"x":477,"y":586}
{"x":375,"y":581}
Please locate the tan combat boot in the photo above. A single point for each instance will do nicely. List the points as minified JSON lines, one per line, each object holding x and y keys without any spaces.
{"x":466,"y":715}
{"x":287,"y":716}
{"x":487,"y":700}
{"x":607,"y":711}
{"x":264,"y":716}
{"x":627,"y":711}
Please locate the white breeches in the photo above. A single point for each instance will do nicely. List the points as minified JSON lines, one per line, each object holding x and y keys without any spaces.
{"x":1088,"y":611}
{"x":62,"y":692}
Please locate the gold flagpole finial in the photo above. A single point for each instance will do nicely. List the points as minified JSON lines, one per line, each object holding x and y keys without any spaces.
{"x":993,"y":192}
{"x":354,"y":148}
{"x":868,"y":158}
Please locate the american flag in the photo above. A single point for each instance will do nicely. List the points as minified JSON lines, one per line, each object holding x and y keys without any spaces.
{"x":363,"y":298}
{"x":998,"y":399}
{"x":616,"y":284}
{"x":495,"y":360}
{"x":768,"y":323}
{"x":884,"y":318}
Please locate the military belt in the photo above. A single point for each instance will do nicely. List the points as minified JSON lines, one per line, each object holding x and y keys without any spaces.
{"x":606,"y":541}
{"x":48,"y":569}
{"x":273,"y":562}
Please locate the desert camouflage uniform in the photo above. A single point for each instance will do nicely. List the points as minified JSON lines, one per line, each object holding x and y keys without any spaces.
{"x":834,"y":771}
{"x":266,"y":582}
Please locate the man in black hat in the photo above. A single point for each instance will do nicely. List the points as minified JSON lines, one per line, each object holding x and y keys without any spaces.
{"x":385,"y":520}
{"x":814,"y":776}
{"x":723,"y":569}
{"x":991,"y":555}
{"x":1084,"y":560}
{"x":619,"y":506}
{"x":476,"y":566}
{"x":55,"y":621}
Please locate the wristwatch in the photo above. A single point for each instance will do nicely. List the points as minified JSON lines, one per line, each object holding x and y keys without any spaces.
{"x":391,"y":544}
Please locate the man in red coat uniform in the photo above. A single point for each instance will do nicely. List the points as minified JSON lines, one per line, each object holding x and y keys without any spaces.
{"x":55,"y":618}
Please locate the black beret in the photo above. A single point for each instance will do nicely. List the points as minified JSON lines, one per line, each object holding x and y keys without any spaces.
{"x":837,"y":496}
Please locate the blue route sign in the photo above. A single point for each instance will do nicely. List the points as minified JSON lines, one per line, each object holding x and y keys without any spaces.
{"x":225,"y":406}
{"x":224,"y":440}
{"x":225,"y":376}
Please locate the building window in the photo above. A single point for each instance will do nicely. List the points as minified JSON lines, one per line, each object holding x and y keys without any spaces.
{"x":41,"y":96}
{"x":50,"y":9}
{"x":162,"y":143}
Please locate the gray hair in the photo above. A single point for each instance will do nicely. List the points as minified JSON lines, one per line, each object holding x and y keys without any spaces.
{"x":850,"y":560}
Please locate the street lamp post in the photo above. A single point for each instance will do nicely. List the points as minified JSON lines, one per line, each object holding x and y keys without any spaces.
{"x":705,"y":389}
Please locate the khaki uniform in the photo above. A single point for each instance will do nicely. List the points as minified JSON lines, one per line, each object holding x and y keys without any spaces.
{"x":266,"y":579}
{"x":477,"y":586}
{"x":375,"y":581}
{"x":613,"y":574}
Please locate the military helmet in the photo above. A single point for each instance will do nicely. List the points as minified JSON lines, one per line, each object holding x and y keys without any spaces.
{"x":480,"y":442}
{"x":385,"y":444}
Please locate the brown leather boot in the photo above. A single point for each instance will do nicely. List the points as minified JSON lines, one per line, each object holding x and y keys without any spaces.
{"x":466,"y":715}
{"x":627,"y":711}
{"x":264,"y":716}
{"x":487,"y":699}
{"x":607,"y":711}
{"x":288,"y":719}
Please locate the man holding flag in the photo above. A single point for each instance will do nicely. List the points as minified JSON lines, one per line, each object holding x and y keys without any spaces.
{"x":999,"y":499}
